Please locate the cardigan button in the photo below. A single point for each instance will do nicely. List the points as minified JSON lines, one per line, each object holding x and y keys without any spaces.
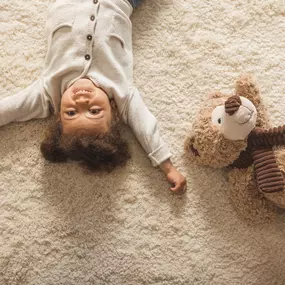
{"x":92,"y":18}
{"x":95,"y":1}
{"x":89,"y":37}
{"x":87,"y":57}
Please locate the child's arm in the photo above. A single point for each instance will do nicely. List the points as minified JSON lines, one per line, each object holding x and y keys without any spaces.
{"x":144,"y":126}
{"x":28,"y":104}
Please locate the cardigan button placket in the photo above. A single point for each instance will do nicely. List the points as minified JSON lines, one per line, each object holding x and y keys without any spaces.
{"x":89,"y":36}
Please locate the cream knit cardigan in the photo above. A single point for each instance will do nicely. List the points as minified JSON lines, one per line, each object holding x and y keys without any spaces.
{"x":93,"y":39}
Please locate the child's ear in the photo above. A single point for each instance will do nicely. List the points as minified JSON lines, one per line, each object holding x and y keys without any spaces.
{"x":113,"y":106}
{"x":115,"y":112}
{"x":51,"y":151}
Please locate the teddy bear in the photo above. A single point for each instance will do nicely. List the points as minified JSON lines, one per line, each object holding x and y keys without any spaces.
{"x":233,"y":131}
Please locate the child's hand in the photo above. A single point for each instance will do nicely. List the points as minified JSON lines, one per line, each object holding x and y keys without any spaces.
{"x":174,"y":177}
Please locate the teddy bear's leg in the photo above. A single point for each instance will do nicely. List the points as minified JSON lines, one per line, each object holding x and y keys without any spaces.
{"x":246,"y":86}
{"x":249,"y":203}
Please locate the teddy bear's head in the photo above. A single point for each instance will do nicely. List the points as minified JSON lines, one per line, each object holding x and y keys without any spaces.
{"x":220,"y":131}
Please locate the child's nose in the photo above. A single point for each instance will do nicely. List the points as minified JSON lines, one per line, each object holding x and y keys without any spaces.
{"x":82,"y":100}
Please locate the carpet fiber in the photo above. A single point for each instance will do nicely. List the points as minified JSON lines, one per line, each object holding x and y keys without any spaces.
{"x":61,"y":225}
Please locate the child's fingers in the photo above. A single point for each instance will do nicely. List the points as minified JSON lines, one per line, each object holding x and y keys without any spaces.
{"x":179,"y":187}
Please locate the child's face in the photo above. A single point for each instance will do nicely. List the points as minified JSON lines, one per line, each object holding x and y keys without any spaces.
{"x":85,"y":109}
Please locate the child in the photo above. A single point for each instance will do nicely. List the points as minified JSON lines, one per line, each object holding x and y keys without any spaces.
{"x":87,"y":81}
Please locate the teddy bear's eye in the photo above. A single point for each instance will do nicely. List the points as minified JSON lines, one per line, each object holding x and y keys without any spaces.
{"x":218,"y":116}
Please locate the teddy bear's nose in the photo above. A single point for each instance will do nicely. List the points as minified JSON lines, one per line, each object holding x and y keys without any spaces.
{"x":232,"y":104}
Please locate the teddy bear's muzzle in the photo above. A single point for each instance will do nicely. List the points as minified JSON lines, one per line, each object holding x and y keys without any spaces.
{"x":239,"y":118}
{"x":232,"y":104}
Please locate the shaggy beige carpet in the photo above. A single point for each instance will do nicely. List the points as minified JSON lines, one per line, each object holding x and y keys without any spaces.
{"x":59,"y":225}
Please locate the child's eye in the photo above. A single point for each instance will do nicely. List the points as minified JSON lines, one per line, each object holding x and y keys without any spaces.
{"x":71,"y":113}
{"x":94,"y":111}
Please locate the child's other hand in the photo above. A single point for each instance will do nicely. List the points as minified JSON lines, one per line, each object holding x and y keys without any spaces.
{"x":174,"y":177}
{"x":178,"y":181}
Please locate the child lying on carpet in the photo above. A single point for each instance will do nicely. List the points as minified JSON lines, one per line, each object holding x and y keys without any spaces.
{"x":87,"y":81}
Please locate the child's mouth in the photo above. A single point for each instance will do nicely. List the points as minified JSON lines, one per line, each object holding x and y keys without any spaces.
{"x":81,"y":91}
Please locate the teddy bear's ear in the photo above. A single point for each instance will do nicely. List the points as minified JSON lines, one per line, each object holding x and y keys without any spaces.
{"x":246,"y":86}
{"x":215,"y":95}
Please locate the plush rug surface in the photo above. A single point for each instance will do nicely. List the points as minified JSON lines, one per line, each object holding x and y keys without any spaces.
{"x":60,"y":225}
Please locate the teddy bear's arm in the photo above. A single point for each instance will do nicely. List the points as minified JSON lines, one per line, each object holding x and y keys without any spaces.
{"x":260,"y":137}
{"x":268,"y":175}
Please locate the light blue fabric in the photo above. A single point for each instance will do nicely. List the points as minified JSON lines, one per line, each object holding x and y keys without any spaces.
{"x":135,"y":3}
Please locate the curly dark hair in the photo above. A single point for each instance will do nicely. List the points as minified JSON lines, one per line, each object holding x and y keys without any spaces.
{"x":96,"y":152}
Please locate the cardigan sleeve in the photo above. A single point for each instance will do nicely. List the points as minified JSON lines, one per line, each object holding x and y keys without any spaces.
{"x":30,"y":103}
{"x":144,"y":125}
